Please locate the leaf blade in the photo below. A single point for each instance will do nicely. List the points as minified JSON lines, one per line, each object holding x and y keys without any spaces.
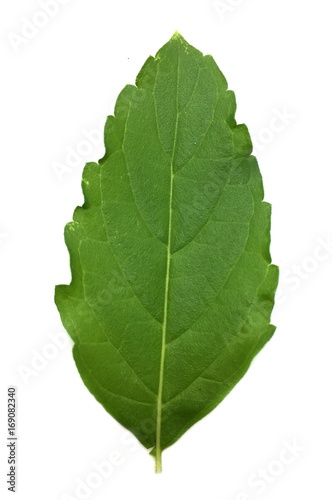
{"x":173,"y":286}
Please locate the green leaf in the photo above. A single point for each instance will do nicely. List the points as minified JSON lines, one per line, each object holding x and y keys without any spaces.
{"x":172,"y":287}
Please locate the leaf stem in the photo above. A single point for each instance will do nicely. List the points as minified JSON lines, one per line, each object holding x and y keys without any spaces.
{"x":159,"y":467}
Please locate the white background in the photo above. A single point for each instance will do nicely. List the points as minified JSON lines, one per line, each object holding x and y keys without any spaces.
{"x":59,"y":85}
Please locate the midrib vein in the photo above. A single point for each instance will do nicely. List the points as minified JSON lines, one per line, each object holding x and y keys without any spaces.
{"x":168,"y":265}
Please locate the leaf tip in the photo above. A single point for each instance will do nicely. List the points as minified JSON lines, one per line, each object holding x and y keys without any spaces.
{"x":176,"y":34}
{"x":178,"y":37}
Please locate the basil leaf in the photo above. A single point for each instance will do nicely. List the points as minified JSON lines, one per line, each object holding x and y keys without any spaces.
{"x":172,"y":287}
